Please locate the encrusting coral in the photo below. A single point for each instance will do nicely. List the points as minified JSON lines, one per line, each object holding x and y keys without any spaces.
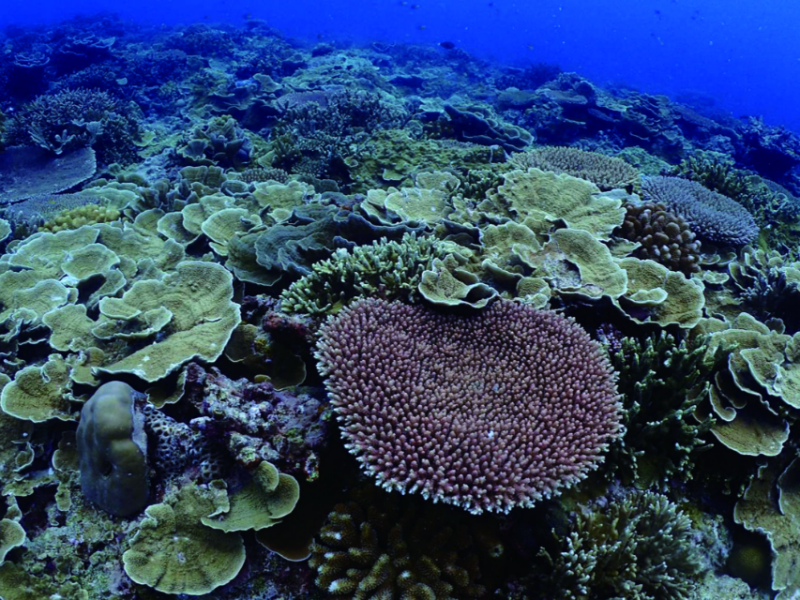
{"x":481,"y":407}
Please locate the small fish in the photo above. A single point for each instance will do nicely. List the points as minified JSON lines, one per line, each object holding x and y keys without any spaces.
{"x":423,"y":27}
{"x":529,"y":46}
{"x":447,"y":45}
{"x":414,"y":6}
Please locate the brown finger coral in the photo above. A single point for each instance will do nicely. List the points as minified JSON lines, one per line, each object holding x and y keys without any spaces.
{"x":380,"y":545}
{"x":486,"y":411}
{"x":664,"y":236}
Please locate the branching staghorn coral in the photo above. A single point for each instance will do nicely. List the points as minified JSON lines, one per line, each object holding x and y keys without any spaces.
{"x":385,"y":269}
{"x":486,"y":411}
{"x":631,"y":546}
{"x":662,"y":383}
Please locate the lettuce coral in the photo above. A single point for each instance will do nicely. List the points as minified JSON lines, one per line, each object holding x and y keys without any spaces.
{"x":174,"y":553}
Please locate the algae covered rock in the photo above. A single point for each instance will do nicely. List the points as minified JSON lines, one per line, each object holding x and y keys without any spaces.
{"x":174,"y":553}
{"x":113,"y":451}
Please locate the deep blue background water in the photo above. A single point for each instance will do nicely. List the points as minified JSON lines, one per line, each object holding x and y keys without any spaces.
{"x":745,"y":54}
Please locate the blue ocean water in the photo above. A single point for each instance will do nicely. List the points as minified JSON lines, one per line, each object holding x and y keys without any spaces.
{"x":488,"y":298}
{"x":743,"y":56}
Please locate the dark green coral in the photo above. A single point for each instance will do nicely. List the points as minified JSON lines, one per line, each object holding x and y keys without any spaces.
{"x":662,"y":382}
{"x":385,"y":269}
{"x":634,"y":545}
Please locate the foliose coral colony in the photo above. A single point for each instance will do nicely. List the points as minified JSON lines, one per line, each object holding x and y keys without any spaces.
{"x":386,"y":322}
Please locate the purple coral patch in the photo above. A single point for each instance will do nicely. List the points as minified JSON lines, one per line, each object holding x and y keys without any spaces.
{"x":486,"y":411}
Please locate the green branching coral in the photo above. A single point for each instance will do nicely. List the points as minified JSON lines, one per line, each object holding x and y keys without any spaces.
{"x":714,"y":171}
{"x":386,"y":269}
{"x":767,"y":284}
{"x":381,"y":545}
{"x":662,"y":382}
{"x":636,"y":546}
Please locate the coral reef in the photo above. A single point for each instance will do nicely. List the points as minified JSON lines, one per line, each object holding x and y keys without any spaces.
{"x":214,"y":239}
{"x":636,"y":545}
{"x":664,"y":236}
{"x":712,"y":216}
{"x":430,"y":373}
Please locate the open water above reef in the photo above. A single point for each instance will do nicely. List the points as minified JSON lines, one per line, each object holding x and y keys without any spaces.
{"x":309,"y":312}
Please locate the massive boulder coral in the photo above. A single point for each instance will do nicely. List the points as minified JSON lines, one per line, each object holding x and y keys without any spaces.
{"x":664,"y":236}
{"x":113,"y":450}
{"x":487,"y":411}
{"x":712,"y":216}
